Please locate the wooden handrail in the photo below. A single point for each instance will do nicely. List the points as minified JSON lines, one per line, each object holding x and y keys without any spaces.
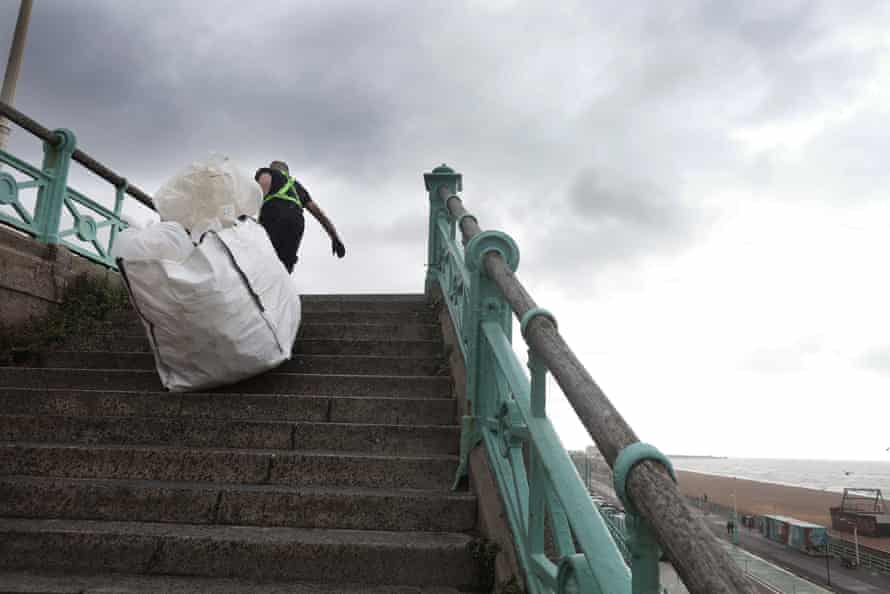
{"x":14,"y":115}
{"x":698,"y":557}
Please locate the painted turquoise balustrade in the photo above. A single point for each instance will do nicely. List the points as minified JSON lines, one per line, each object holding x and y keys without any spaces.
{"x":619,"y":533}
{"x":54,"y":197}
{"x":84,"y":232}
{"x":505,"y":416}
{"x":614,"y":518}
{"x":10,"y":191}
{"x":86,"y":228}
{"x":538,"y":481}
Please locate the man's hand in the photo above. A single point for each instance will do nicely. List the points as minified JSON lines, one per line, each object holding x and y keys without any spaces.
{"x":337,"y":247}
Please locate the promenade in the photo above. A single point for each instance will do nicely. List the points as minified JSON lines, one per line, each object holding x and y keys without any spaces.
{"x":812,"y":569}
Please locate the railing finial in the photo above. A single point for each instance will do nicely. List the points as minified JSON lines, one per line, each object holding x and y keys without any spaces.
{"x":443,"y":175}
{"x":492,"y":241}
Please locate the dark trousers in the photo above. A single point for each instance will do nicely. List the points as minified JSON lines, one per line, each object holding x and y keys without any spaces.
{"x":283,"y":221}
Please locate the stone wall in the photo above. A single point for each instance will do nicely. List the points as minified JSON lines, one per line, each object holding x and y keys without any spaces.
{"x":34,"y":276}
{"x":491,"y":519}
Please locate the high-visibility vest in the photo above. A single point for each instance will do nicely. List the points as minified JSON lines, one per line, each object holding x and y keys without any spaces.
{"x":282,"y":192}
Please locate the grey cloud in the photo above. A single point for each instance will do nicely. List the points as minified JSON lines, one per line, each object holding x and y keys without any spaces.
{"x":595,"y":139}
{"x":608,"y":219}
{"x":789,"y":50}
{"x":610,"y":198}
{"x":165,"y":86}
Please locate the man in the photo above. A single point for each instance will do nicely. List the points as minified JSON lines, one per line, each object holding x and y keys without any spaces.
{"x":284,"y":199}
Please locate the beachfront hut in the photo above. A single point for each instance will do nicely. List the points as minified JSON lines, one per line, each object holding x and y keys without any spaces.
{"x":807,"y":537}
{"x":797,"y":534}
{"x":775,"y":528}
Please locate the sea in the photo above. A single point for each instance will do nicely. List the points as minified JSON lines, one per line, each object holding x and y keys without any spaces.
{"x":822,"y":475}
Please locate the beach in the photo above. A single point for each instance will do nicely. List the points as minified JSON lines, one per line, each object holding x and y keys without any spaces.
{"x":753,"y":497}
{"x":758,"y":498}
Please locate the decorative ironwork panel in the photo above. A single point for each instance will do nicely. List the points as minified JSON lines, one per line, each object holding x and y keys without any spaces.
{"x":15,"y":210}
{"x":89,"y":218}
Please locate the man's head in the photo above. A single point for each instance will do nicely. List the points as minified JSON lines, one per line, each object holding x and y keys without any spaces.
{"x":280,"y":166}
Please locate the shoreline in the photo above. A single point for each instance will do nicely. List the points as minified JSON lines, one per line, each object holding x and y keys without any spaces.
{"x":759,"y":497}
{"x":839,"y":491}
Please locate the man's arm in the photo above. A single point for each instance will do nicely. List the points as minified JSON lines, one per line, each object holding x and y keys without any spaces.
{"x":321,"y":217}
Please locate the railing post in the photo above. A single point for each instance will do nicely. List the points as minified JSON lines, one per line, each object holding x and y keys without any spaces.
{"x":120,"y":194}
{"x":645,"y":553}
{"x":51,"y":197}
{"x":487,"y":304}
{"x":442,"y":176}
{"x":644,"y":549}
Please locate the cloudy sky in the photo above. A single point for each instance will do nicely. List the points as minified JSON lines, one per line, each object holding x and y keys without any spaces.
{"x":698,"y":189}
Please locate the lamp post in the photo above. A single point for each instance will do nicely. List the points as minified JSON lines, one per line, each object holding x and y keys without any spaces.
{"x":735,"y":520}
{"x":7,"y":95}
{"x":856,"y":540}
{"x":855,"y":526}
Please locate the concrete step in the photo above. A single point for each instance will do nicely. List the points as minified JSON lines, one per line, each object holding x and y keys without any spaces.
{"x":367,"y":302}
{"x":130,"y":320}
{"x":219,"y":465}
{"x":383,"y":348}
{"x":215,"y":433}
{"x":20,"y":582}
{"x":244,"y":552}
{"x":326,"y":364}
{"x":268,"y":383}
{"x":335,"y":331}
{"x":249,"y":505}
{"x":85,"y":403}
{"x":398,"y":331}
{"x":371,"y":303}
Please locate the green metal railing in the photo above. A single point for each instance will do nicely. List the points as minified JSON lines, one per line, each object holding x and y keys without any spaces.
{"x":537,"y":479}
{"x":54,"y":197}
{"x":866,"y":556}
{"x":614,"y":517}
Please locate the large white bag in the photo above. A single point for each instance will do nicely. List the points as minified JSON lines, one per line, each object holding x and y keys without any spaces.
{"x":226,"y":312}
{"x":167,"y":240}
{"x":208,"y":195}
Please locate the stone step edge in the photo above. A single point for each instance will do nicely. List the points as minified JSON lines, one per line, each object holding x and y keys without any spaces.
{"x":411,"y":297}
{"x":350,"y":455}
{"x":132,"y":329}
{"x":310,"y":315}
{"x":434,"y":412}
{"x":145,"y":361}
{"x":271,"y":395}
{"x":313,"y":310}
{"x":245,"y":487}
{"x":29,"y":582}
{"x":321,"y":357}
{"x":211,"y":420}
{"x":252,"y":534}
{"x":127,"y":372}
{"x":301,"y":339}
{"x":311,"y":323}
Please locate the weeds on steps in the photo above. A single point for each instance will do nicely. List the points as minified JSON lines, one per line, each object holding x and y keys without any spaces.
{"x":87,"y":301}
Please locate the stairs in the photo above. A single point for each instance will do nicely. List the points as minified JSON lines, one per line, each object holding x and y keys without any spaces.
{"x":329,"y":474}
